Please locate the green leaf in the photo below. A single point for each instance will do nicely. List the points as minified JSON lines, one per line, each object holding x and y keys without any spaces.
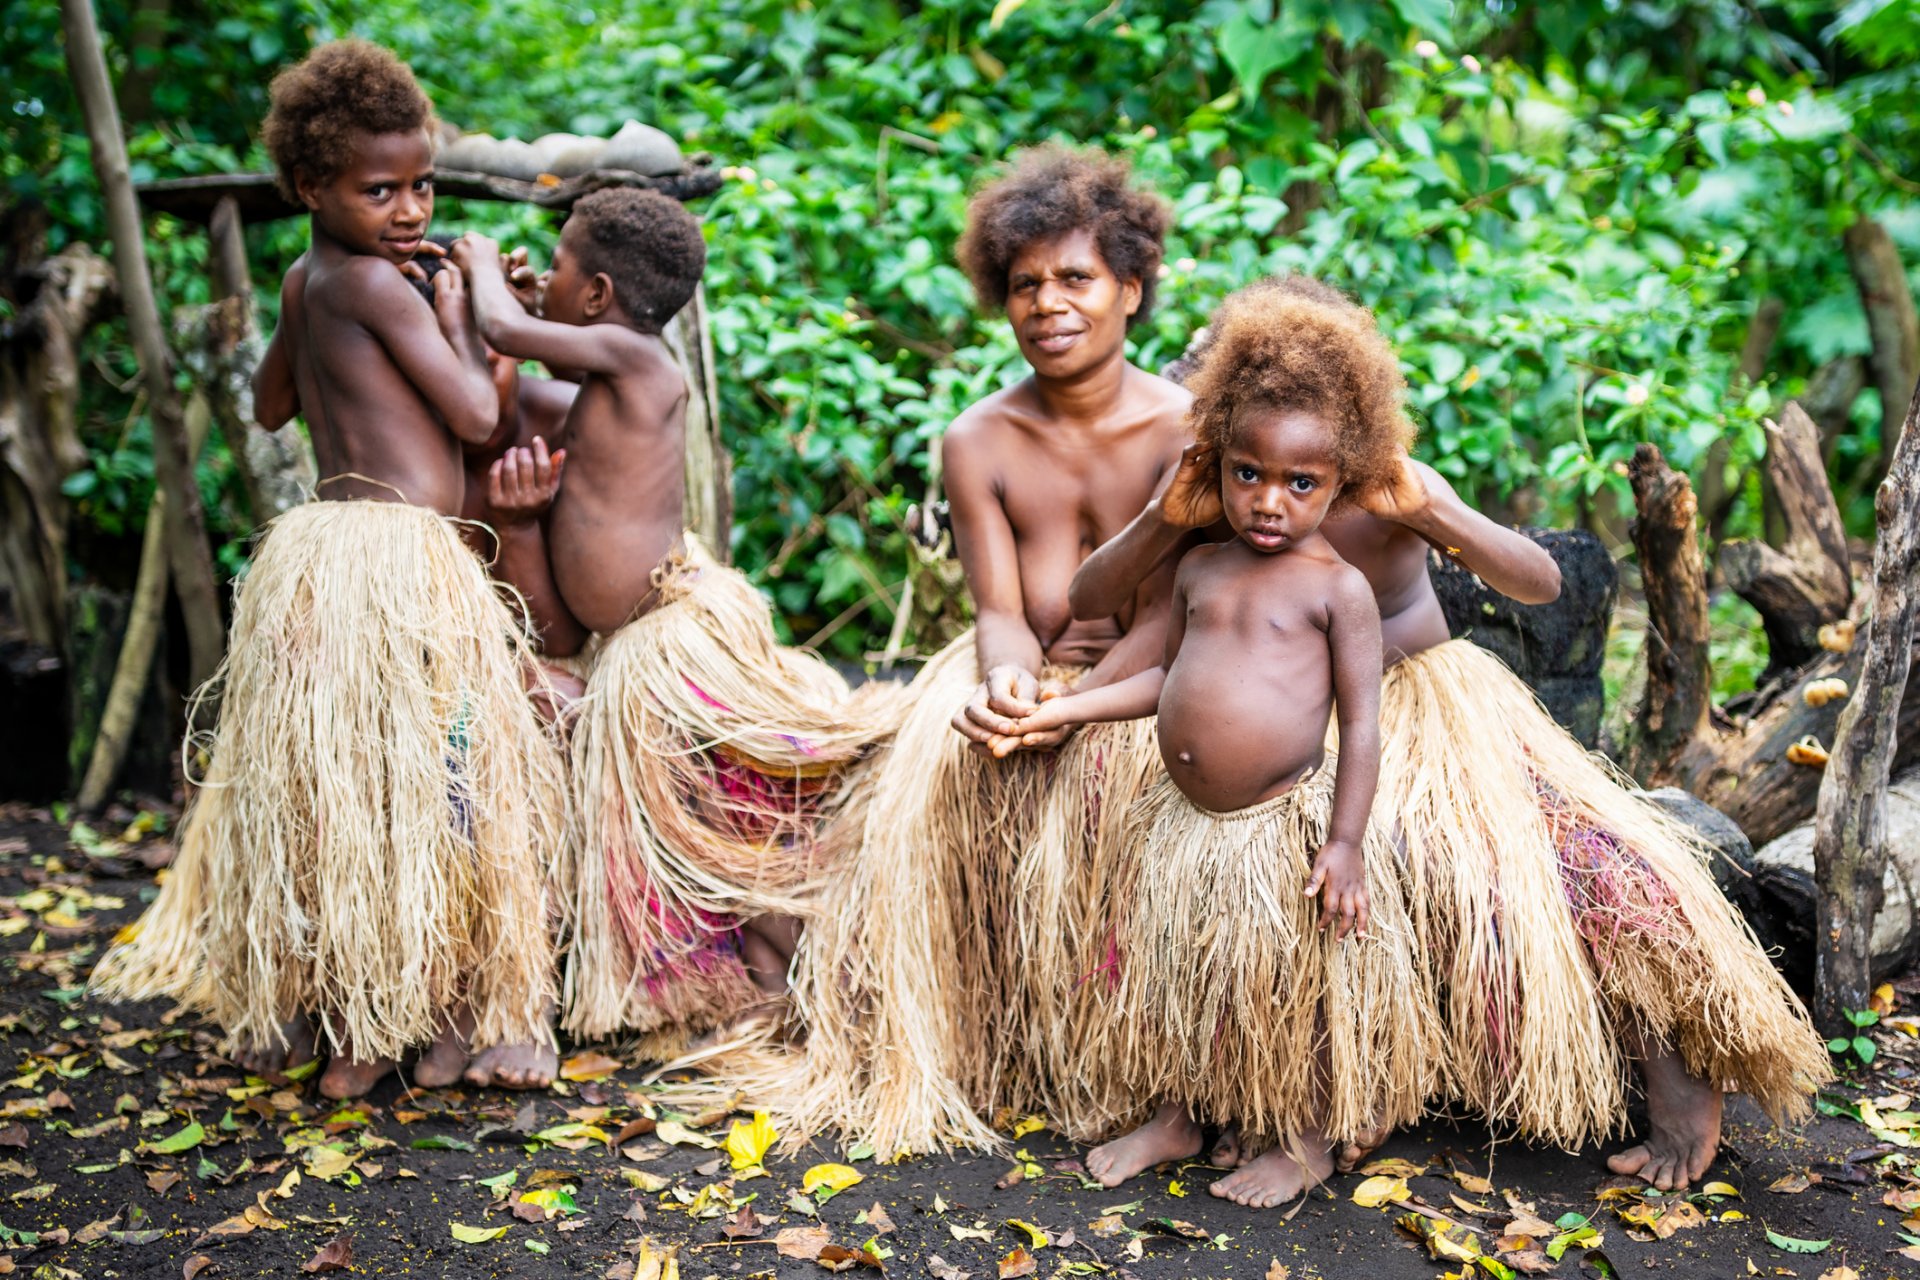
{"x":442,"y":1142}
{"x":500,"y":1181}
{"x":1864,"y":1049}
{"x":185,"y":1140}
{"x":1794,"y":1245}
{"x":538,"y":1246}
{"x":1255,"y":50}
{"x":1429,"y":17}
{"x":1837,"y":1045}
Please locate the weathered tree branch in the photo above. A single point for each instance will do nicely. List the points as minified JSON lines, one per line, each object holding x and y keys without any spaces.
{"x":1666,"y":535}
{"x":1849,"y":850}
{"x":192,"y":561}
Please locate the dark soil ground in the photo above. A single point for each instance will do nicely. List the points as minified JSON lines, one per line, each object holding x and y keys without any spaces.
{"x":129,"y":1149}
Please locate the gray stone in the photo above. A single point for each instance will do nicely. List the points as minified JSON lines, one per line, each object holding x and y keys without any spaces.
{"x":484,"y":153}
{"x":643,"y":149}
{"x":568,"y":155}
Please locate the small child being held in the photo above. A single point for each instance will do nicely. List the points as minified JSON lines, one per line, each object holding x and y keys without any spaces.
{"x":1304,"y":1032}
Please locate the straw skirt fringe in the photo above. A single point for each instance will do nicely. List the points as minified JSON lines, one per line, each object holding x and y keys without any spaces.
{"x":374,"y":835}
{"x":1564,"y":913}
{"x":706,"y":760}
{"x":1231,"y":998}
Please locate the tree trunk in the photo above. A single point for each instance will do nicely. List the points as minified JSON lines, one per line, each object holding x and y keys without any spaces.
{"x":709,"y":475}
{"x":1829,"y":398}
{"x":1666,"y":535}
{"x":276,"y":467}
{"x":1806,"y":583}
{"x":145,"y":620}
{"x":187,"y":551}
{"x":1891,"y":321}
{"x":1849,"y":851}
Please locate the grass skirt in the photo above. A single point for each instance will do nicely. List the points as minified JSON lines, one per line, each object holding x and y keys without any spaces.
{"x":1231,"y":998}
{"x":706,"y":760}
{"x":373,"y":838}
{"x":1563,"y":912}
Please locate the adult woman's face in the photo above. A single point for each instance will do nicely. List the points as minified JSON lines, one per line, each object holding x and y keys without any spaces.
{"x":1067,"y":308}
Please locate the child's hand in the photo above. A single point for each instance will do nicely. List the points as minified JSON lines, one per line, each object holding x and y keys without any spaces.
{"x":1341,"y":872}
{"x":1007,"y":693}
{"x":522,"y":483}
{"x":474,"y":252}
{"x":412,"y":269}
{"x":1403,"y":499}
{"x":1047,"y":725}
{"x":1192,"y":501}
{"x":522,"y":280}
{"x":450,"y":304}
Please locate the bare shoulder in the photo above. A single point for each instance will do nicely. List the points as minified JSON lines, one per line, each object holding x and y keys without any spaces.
{"x":1347,"y":587}
{"x":365,"y":286}
{"x":1199,"y":562}
{"x":1166,"y":401}
{"x":980,"y":432}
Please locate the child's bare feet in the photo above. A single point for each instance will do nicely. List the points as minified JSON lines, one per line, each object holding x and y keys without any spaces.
{"x":447,"y":1056}
{"x":349,"y":1077}
{"x":1226,"y":1153}
{"x":269,"y":1058}
{"x":1278,"y":1176}
{"x":1683,"y":1112}
{"x":1352,"y":1155}
{"x":1170,"y":1135}
{"x":514,"y":1066}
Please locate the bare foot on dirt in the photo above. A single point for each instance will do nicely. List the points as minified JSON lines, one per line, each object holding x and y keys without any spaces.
{"x":1278,"y":1176}
{"x":271,"y":1059}
{"x":1170,"y":1135}
{"x":1683,"y":1114}
{"x":349,"y":1077}
{"x":448,"y":1055}
{"x":515,"y":1066}
{"x":1226,"y":1153}
{"x":1351,"y":1155}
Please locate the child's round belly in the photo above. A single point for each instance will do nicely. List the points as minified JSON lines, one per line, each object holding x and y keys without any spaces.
{"x":1230,"y":742}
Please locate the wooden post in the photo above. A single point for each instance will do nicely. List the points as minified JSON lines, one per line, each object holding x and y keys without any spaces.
{"x":1850,"y":822}
{"x":1892,"y":322}
{"x":276,"y":467}
{"x":1666,"y":536}
{"x":192,"y":562}
{"x":709,"y":481}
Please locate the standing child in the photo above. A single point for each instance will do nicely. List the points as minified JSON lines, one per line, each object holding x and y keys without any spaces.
{"x":367,"y":849}
{"x":704,"y":754}
{"x":1232,"y":1003}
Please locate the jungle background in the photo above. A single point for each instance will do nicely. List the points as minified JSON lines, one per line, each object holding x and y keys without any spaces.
{"x":1585,"y":225}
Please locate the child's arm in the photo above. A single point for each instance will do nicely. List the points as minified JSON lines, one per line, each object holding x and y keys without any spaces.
{"x":1353,"y":636}
{"x":503,"y":321}
{"x":1009,"y":653}
{"x":276,"y":397}
{"x":520,"y":488}
{"x":1189,"y":499}
{"x":434,"y":347}
{"x":1421,"y":499}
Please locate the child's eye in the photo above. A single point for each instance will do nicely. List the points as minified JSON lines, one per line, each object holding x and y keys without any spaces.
{"x":379,"y":192}
{"x":1303,"y":484}
{"x":1245,"y":474}
{"x":423,"y":185}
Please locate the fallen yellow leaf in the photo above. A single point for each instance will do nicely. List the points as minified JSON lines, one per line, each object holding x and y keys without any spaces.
{"x":832,"y":1178}
{"x":1379,"y":1189}
{"x":1039,"y":1238}
{"x":748,"y":1141}
{"x":589,"y":1066}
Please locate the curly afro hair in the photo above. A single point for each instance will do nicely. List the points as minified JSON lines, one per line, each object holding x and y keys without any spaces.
{"x":1053,"y":191}
{"x":649,"y":247}
{"x":338,"y":90}
{"x":1295,"y":343}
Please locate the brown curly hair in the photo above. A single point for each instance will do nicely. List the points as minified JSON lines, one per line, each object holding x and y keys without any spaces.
{"x":340,"y":89}
{"x":1295,"y":343}
{"x":649,"y":246}
{"x":1055,"y":190}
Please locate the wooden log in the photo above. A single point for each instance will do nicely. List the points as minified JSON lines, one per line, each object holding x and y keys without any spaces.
{"x":1806,"y":582}
{"x":188,"y":552}
{"x":1892,"y":323}
{"x":1849,"y":849}
{"x":145,"y":620}
{"x":258,"y":200}
{"x":1675,"y":704}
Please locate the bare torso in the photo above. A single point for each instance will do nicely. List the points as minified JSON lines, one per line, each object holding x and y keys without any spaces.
{"x":1064,"y":489}
{"x":619,"y":512}
{"x":1244,"y":710}
{"x":1394,"y":560}
{"x":374,"y":435}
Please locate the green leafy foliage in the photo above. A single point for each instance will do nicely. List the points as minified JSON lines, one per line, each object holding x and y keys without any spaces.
{"x":1564,"y":217}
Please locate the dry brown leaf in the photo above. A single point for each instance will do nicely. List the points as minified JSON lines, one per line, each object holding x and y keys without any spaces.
{"x":745,"y":1225}
{"x":1906,"y":1200}
{"x":638,"y":1128}
{"x":195,"y":1265}
{"x":335,"y":1255}
{"x":1790,"y":1184}
{"x":837,"y":1257}
{"x":1277,"y":1270}
{"x":1473,"y":1182}
{"x":1525,"y":1224}
{"x":1018,"y":1263}
{"x":589,"y":1066}
{"x":1533,"y":1262}
{"x":940,"y":1269}
{"x":1011,"y":1178}
{"x":161,"y":1181}
{"x":1840,"y":1273}
{"x":1392,"y":1167}
{"x":804,"y":1243}
{"x":1111,"y":1224}
{"x":95,"y":1230}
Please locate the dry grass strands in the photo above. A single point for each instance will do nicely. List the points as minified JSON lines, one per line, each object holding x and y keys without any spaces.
{"x":1229,"y":995}
{"x":1562,"y":911}
{"x":374,"y":837}
{"x":706,"y":759}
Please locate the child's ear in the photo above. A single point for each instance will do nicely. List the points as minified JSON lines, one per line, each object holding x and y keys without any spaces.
{"x":306,"y":188}
{"x":599,"y":295}
{"x":1130,"y":291}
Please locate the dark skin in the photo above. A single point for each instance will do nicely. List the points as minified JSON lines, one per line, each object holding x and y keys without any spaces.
{"x":1042,"y":473}
{"x":1270,"y":634}
{"x":390,"y":386}
{"x":1387,"y":539}
{"x":621,"y":513}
